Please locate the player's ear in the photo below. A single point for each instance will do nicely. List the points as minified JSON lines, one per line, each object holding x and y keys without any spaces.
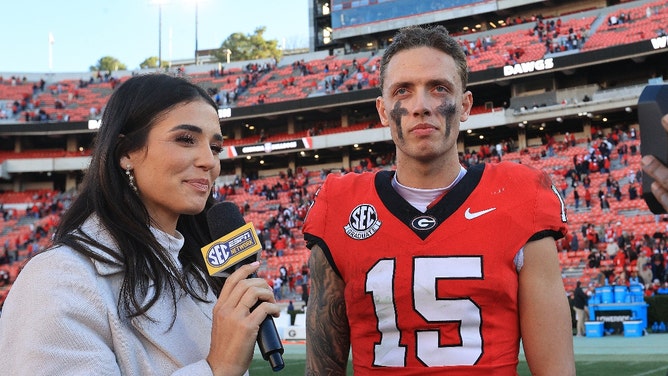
{"x":467,"y":104}
{"x":382,"y":114}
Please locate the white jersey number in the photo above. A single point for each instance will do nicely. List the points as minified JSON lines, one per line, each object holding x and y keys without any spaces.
{"x":426,"y":271}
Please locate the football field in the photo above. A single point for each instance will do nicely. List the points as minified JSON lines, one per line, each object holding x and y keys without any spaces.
{"x":614,"y":355}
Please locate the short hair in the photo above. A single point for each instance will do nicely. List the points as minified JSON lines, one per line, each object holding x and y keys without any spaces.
{"x":436,"y":37}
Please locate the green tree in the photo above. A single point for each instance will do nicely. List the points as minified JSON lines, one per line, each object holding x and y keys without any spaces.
{"x":248,"y":47}
{"x":109,"y":64}
{"x":150,"y":62}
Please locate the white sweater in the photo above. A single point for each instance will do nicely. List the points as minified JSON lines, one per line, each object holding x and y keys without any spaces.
{"x":61,"y":318}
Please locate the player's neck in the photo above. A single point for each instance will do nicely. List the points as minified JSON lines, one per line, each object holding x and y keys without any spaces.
{"x":421,"y":198}
{"x":431,"y":176}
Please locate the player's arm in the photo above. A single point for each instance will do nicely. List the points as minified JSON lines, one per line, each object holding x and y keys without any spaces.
{"x":545,"y":317}
{"x":327,"y":330}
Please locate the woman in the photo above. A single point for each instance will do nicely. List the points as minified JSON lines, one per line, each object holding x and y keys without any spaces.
{"x":124,"y":288}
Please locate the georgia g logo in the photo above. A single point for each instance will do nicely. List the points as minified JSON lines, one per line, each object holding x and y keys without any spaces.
{"x":363,"y":222}
{"x":423,"y":222}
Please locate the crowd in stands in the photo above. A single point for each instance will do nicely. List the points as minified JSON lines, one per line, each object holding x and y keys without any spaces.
{"x":268,"y":82}
{"x":547,"y":32}
{"x":27,"y":230}
{"x":618,"y":242}
{"x":62,"y":101}
{"x":558,"y":34}
{"x":550,"y":33}
{"x":277,"y":207}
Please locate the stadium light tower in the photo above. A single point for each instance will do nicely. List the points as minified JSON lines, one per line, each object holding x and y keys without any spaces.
{"x":51,"y":42}
{"x":196,"y":2}
{"x":196,"y":31}
{"x":159,"y":36}
{"x":159,"y":3}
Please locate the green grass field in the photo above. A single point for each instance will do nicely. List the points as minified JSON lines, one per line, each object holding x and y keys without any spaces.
{"x":612,"y":366}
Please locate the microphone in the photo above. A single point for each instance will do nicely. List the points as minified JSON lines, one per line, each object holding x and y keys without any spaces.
{"x":652,"y":105}
{"x":236,"y":244}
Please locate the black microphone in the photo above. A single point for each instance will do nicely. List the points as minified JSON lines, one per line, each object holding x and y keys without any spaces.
{"x":236,"y":243}
{"x":652,"y":105}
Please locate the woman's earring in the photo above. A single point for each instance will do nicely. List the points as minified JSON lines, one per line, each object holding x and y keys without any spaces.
{"x":131,"y":178}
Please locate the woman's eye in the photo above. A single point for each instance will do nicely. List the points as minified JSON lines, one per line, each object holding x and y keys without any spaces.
{"x":186,"y":138}
{"x":216,"y":148}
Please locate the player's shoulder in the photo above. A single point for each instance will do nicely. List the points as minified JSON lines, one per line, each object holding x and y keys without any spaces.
{"x":342,"y":186}
{"x":507,"y":167}
{"x":348,"y":179}
{"x":517,"y":174}
{"x":514,"y":170}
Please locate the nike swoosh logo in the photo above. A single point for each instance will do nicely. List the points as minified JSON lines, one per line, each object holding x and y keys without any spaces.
{"x":469,"y":215}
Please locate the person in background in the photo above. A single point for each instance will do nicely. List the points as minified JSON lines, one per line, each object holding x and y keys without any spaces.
{"x":580,"y":302}
{"x":124,"y":289}
{"x":635,"y":278}
{"x":658,"y":171}
{"x":433,"y":268}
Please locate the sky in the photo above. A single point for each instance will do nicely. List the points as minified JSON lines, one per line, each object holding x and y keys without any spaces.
{"x":86,"y":30}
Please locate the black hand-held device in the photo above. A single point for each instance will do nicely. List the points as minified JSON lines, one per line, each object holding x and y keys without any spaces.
{"x":223,"y":219}
{"x":652,"y":105}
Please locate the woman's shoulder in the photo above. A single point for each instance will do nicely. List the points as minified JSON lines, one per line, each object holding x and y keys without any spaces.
{"x":58,"y":262}
{"x":56,"y":297}
{"x":60,"y":280}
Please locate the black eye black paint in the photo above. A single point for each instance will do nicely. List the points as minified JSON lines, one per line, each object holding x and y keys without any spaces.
{"x":448,"y":110}
{"x":396,"y":114}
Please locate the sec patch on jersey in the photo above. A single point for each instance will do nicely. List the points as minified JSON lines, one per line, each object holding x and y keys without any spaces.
{"x":363,"y":222}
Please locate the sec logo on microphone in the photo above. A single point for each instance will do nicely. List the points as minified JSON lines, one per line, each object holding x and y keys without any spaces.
{"x":231,"y":249}
{"x":218,"y":254}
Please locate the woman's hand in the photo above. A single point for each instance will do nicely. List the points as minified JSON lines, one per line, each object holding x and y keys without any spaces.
{"x":235,"y":327}
{"x":654,"y":168}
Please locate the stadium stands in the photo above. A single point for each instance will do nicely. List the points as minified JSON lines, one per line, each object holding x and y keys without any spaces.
{"x":289,"y":82}
{"x":629,"y":25}
{"x":72,"y":100}
{"x":632,"y":213}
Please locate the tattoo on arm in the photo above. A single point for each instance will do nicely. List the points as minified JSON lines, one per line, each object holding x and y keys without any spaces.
{"x":327,"y":330}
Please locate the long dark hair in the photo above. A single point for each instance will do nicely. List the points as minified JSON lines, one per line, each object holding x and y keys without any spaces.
{"x":132,"y":110}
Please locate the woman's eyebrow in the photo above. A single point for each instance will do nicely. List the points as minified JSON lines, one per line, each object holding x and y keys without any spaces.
{"x":187,"y":127}
{"x":195,"y":129}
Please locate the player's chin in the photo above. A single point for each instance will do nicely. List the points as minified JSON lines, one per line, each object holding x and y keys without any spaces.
{"x":428,"y":150}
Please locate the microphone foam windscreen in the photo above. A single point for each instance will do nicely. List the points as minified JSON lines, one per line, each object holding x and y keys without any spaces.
{"x":223,"y":218}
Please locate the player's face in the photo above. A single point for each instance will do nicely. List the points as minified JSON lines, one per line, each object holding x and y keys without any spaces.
{"x":175,"y":170}
{"x":423,"y":104}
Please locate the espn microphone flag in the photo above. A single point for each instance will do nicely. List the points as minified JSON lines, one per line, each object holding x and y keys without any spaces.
{"x":231,"y":249}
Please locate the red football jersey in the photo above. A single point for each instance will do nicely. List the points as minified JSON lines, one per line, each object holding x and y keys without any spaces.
{"x":435,"y":289}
